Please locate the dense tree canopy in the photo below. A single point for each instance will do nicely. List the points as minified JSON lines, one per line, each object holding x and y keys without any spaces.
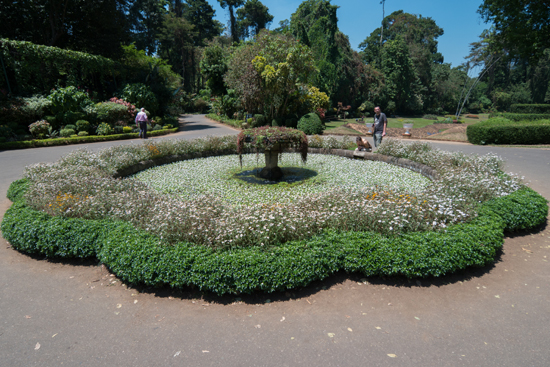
{"x":90,"y":26}
{"x":522,"y":26}
{"x":253,"y":17}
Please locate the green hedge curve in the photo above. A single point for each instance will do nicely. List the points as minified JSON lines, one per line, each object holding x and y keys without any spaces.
{"x":139,"y":258}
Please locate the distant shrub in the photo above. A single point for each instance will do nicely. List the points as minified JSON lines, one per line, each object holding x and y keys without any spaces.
{"x":109,"y":112}
{"x":200,"y":105}
{"x":429,"y":117}
{"x":311,"y":124}
{"x":522,"y":116}
{"x":82,"y":125}
{"x":530,"y":108}
{"x":157,"y":127}
{"x":83,"y":133}
{"x":39,"y":129}
{"x":259,"y":120}
{"x":65,"y":133}
{"x":104,"y":129}
{"x":127,"y":129}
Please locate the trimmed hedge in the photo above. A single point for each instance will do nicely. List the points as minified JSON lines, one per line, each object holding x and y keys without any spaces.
{"x":78,"y":140}
{"x":530,"y":108}
{"x":523,"y":117}
{"x":311,"y":124}
{"x":138,"y":257}
{"x":503,"y":131}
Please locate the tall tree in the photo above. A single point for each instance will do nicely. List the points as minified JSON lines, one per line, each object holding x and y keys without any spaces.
{"x":146,"y":17}
{"x":253,"y":17}
{"x":231,"y":5}
{"x":522,"y":26}
{"x":177,"y":46}
{"x":402,"y":84}
{"x":201,"y":15}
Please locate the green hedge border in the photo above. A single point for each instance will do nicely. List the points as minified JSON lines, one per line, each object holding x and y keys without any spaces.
{"x":140,"y":258}
{"x":79,"y":140}
{"x":521,"y":133}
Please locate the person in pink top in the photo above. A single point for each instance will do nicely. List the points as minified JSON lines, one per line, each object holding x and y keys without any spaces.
{"x":141,"y":123}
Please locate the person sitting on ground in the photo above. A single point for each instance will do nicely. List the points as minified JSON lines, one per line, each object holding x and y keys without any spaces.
{"x":363,"y":145}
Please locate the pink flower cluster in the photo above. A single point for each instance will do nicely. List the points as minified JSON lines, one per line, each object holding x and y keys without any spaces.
{"x":131,"y":107}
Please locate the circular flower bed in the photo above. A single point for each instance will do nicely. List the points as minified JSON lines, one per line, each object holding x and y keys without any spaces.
{"x":74,"y":208}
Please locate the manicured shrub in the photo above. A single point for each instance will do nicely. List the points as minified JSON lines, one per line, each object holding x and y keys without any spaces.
{"x":70,"y":126}
{"x":65,"y":133}
{"x":157,"y":127}
{"x":259,"y":120}
{"x":82,"y":133}
{"x":430,"y":117}
{"x":521,"y":116}
{"x":39,"y":129}
{"x":530,"y":108}
{"x":109,"y":112}
{"x":127,"y":129}
{"x":104,"y":129}
{"x":504,"y":131}
{"x":521,"y":210}
{"x":82,"y":125}
{"x":311,"y":124}
{"x":140,"y":258}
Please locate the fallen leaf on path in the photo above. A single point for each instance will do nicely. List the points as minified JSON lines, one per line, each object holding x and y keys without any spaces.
{"x":54,"y":335}
{"x":392,"y":355}
{"x":27,"y":316}
{"x":378,"y":327}
{"x":119,"y":305}
{"x":283,"y":319}
{"x":135,"y":301}
{"x":349,"y":329}
{"x":37,"y":346}
{"x":177,"y":353}
{"x":528,"y":251}
{"x":331,"y":335}
{"x":258,"y":326}
{"x":206,"y":351}
{"x":418,"y":318}
{"x":497,"y":296}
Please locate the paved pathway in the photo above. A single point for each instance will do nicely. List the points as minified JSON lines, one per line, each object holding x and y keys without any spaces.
{"x":53,"y":314}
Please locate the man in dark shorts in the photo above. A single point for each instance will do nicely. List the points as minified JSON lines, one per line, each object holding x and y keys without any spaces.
{"x":380,"y":124}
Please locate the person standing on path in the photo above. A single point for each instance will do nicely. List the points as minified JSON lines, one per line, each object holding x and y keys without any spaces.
{"x":380,"y":124}
{"x":141,"y":123}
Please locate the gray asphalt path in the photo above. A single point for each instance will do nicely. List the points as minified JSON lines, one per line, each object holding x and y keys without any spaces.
{"x":53,"y":313}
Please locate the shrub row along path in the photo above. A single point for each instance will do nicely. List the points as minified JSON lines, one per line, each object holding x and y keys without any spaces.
{"x":54,"y":313}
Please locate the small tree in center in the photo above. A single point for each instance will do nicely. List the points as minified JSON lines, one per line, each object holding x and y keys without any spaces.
{"x":272,"y":141}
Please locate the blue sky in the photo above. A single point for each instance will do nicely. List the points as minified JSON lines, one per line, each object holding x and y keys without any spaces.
{"x":358,"y":18}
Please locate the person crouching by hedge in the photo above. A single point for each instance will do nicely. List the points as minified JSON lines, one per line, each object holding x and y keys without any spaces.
{"x":141,"y":123}
{"x":362,"y":145}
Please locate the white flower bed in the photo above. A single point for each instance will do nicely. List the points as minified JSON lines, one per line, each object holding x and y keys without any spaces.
{"x":347,"y":195}
{"x":213,"y":176}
